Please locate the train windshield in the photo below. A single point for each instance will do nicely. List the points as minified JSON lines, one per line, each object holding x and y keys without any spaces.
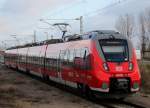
{"x":114,"y":50}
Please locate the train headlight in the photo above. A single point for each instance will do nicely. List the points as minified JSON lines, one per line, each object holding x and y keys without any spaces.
{"x":130,"y":66}
{"x":106,"y":66}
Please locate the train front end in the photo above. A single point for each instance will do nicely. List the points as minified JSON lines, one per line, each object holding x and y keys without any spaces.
{"x":115,"y":65}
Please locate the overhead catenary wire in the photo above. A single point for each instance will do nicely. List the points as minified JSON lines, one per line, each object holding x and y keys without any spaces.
{"x":98,"y":11}
{"x":88,"y":14}
{"x":101,"y":10}
{"x":66,"y":8}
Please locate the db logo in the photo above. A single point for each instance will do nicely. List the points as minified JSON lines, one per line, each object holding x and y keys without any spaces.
{"x":119,"y":68}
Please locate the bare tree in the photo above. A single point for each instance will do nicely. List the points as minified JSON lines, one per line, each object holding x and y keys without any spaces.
{"x":147,"y":19}
{"x":142,"y":32}
{"x":148,"y":48}
{"x":147,"y":23}
{"x":125,"y":25}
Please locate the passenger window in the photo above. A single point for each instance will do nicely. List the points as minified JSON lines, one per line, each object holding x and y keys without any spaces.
{"x":66,"y":56}
{"x":71,"y":57}
{"x":41,"y":61}
{"x":87,"y":58}
{"x":55,"y":63}
{"x":49,"y":63}
{"x":77,"y":53}
{"x":83,"y":53}
{"x":85,"y":61}
{"x":77,"y":59}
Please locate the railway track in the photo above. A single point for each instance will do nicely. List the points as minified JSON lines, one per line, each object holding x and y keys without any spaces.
{"x":107,"y":103}
{"x":119,"y":104}
{"x":113,"y":103}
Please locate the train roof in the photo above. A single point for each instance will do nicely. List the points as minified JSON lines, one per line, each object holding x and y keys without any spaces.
{"x":103,"y":34}
{"x":51,"y":41}
{"x":93,"y":35}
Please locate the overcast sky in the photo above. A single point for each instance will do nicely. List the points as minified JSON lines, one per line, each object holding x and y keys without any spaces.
{"x":21,"y":17}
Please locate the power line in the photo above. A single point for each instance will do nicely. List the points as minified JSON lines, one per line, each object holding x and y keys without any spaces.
{"x":92,"y":12}
{"x":67,"y":8}
{"x":98,"y":11}
{"x":104,"y":8}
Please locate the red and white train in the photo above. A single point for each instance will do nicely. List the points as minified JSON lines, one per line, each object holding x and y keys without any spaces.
{"x":100,"y":61}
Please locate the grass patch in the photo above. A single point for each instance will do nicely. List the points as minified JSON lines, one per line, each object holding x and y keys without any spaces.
{"x":7,"y":96}
{"x":23,"y":104}
{"x":148,"y":67}
{"x":9,"y":89}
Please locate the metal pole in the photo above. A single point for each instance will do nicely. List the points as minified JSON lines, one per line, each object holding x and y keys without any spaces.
{"x":4,"y":45}
{"x":34,"y":37}
{"x":17,"y":40}
{"x":81,"y":24}
{"x":46,"y":35}
{"x":51,"y":36}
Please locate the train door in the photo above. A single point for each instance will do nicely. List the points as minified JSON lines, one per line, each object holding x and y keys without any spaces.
{"x":27,"y":60}
{"x":84,"y":64}
{"x":59,"y":67}
{"x":17,"y":58}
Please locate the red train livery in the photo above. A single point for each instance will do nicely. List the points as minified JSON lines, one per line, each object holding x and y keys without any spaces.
{"x":100,"y":61}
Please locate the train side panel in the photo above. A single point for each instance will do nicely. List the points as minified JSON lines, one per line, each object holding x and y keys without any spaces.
{"x":22,"y":53}
{"x":34,"y":61}
{"x":11,"y":58}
